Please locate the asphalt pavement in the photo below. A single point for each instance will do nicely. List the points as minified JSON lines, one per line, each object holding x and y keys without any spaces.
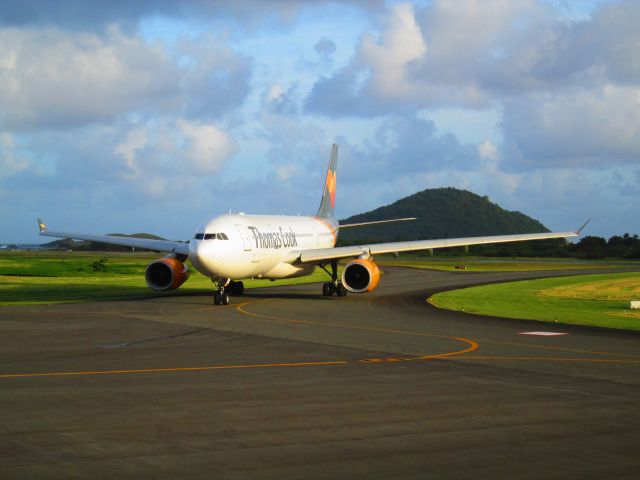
{"x":285,"y":383}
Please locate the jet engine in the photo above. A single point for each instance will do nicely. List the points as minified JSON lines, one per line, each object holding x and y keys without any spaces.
{"x":360,"y":275}
{"x":166,"y":274}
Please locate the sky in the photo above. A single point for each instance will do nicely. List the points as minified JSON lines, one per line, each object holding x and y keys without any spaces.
{"x":152,"y":116}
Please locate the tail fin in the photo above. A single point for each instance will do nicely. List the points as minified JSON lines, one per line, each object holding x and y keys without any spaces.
{"x":329,"y":194}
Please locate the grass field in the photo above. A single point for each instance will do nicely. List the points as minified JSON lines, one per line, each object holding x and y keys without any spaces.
{"x":598,"y":300}
{"x":32,"y":278}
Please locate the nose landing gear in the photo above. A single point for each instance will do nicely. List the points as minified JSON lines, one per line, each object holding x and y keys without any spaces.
{"x":221,"y":297}
{"x":224,"y":288}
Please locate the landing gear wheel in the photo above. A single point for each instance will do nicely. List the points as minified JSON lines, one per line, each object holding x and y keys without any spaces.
{"x":224,"y":298}
{"x":327,"y":289}
{"x":237,"y":288}
{"x":341,"y":291}
{"x":217,"y":298}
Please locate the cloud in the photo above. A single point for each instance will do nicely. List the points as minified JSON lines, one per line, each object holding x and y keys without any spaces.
{"x":377,"y":71}
{"x":147,"y":160}
{"x":474,"y":53}
{"x":57,"y":79}
{"x":405,"y":145}
{"x":325,"y":48}
{"x":401,"y":44}
{"x":215,"y":78}
{"x":431,"y":57}
{"x":136,"y":141}
{"x":207,"y":147}
{"x":276,"y":100}
{"x":82,"y":15}
{"x":129,"y":107}
{"x":575,"y":128}
{"x":10,"y":161}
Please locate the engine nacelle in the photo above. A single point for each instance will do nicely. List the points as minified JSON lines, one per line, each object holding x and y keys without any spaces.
{"x":360,"y":276}
{"x":166,"y":274}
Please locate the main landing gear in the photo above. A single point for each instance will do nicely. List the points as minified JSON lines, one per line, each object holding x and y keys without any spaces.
{"x":224,"y":288}
{"x":329,"y":288}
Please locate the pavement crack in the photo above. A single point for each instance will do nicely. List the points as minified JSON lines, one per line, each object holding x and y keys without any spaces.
{"x":151,"y":339}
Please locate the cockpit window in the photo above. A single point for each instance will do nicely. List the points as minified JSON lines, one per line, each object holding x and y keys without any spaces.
{"x":211,"y":236}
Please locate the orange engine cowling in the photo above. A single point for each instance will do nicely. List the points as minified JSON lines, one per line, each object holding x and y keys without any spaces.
{"x":166,"y":274}
{"x":360,"y":276}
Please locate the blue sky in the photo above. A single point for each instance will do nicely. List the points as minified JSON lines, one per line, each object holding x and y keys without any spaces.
{"x":154,"y":115}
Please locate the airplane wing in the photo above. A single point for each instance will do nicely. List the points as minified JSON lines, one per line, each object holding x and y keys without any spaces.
{"x":336,"y":253}
{"x":181,"y":248}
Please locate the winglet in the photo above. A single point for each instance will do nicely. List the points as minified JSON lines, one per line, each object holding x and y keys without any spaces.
{"x":42,"y":226}
{"x":579,"y":231}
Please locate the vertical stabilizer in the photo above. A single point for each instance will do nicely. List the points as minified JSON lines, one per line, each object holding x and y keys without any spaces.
{"x":329,"y":194}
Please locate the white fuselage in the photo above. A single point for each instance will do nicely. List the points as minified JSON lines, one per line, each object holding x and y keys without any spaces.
{"x":248,"y":246}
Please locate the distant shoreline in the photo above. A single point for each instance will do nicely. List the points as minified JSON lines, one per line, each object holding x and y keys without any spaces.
{"x":22,"y":246}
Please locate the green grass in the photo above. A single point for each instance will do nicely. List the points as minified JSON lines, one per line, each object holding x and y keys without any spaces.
{"x":29,"y":278}
{"x":32,"y":278}
{"x":598,"y":300}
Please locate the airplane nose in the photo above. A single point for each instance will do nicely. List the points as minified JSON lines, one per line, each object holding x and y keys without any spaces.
{"x":206,"y":257}
{"x":197,"y":256}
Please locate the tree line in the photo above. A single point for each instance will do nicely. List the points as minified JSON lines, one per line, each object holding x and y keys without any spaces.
{"x":589,"y":247}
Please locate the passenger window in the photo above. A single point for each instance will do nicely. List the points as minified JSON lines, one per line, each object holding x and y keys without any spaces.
{"x":199,"y":236}
{"x":210,"y":236}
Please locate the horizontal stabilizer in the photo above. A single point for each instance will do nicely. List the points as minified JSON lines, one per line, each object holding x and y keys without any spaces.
{"x":375,"y":222}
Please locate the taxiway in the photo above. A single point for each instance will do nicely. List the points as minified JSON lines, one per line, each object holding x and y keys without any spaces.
{"x":285,"y":383}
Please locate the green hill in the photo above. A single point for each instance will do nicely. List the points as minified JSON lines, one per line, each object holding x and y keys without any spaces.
{"x":441,"y":213}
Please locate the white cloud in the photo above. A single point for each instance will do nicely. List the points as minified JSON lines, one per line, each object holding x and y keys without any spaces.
{"x":214,"y":78}
{"x":285,"y":172}
{"x":207,"y":147}
{"x":136,"y":140}
{"x":488,"y":151}
{"x":401,"y":43}
{"x":579,"y":128}
{"x":274,"y":93}
{"x":10,"y":162}
{"x":52,"y":78}
{"x":56,"y":79}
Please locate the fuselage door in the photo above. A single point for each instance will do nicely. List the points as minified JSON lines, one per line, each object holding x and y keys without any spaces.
{"x":246,"y":237}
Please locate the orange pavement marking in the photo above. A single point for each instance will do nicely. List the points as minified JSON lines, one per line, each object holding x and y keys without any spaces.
{"x":179,"y":369}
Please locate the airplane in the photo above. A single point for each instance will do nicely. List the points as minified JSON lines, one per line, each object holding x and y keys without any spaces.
{"x":232,"y":247}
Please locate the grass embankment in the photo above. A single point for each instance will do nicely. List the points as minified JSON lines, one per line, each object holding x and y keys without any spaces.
{"x":489,"y":264}
{"x":598,"y":300}
{"x":31,"y":278}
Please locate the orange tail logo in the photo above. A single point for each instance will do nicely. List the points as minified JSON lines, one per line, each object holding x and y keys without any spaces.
{"x":331,"y":186}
